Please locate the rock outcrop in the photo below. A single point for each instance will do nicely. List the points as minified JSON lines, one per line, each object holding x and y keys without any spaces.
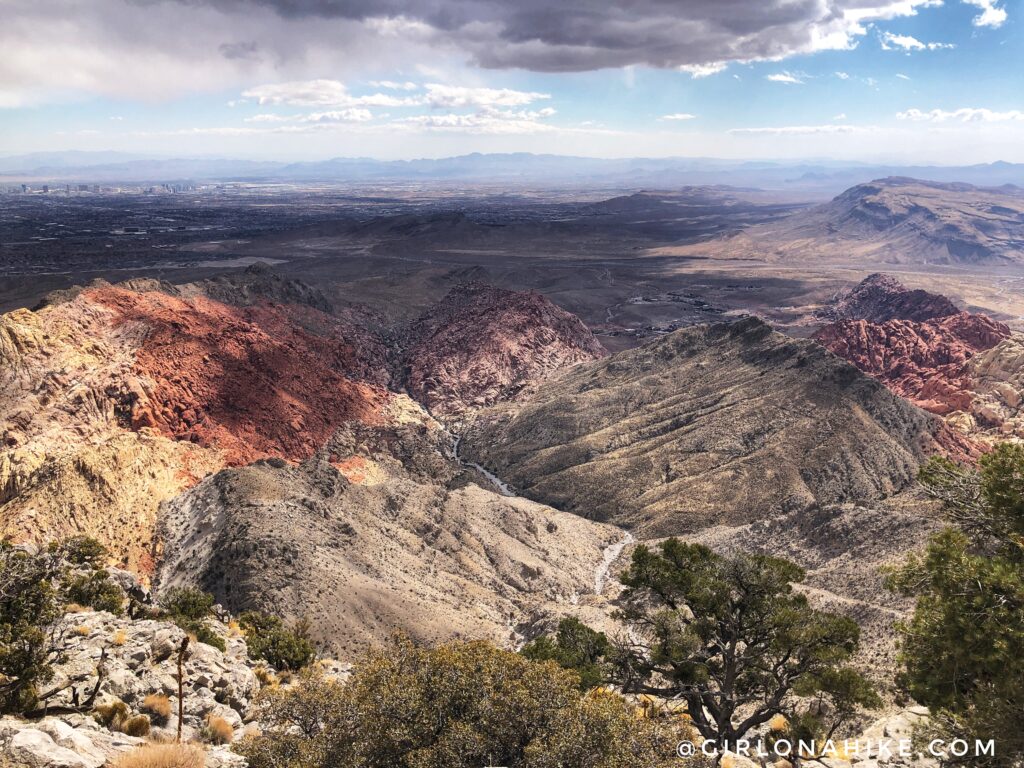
{"x":251,"y":381}
{"x":923,"y":361}
{"x":126,"y":661}
{"x":709,"y":425}
{"x":70,"y":462}
{"x":481,"y":345}
{"x":995,"y":380}
{"x":140,"y":658}
{"x":116,"y":397}
{"x":925,"y":349}
{"x":879,"y":298}
{"x":407,"y":545}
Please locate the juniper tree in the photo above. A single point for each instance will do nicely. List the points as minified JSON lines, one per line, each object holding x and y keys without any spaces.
{"x":963,"y":649}
{"x":730,"y":637}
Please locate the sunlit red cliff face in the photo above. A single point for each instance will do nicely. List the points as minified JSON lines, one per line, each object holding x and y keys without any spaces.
{"x":918,"y":343}
{"x":250,"y":381}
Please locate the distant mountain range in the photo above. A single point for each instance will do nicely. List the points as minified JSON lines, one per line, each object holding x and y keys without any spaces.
{"x":821,"y":178}
{"x":895,"y":220}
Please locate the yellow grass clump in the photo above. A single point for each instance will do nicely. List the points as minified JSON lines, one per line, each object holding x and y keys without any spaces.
{"x":157,"y":706}
{"x":136,"y":726}
{"x":218,"y":730}
{"x":162,"y":756}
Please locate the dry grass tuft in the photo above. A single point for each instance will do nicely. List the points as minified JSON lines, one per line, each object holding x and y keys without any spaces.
{"x":266,"y":677}
{"x":112,"y":715}
{"x":136,"y":726}
{"x":158,"y":707}
{"x":162,"y":756}
{"x":218,"y":730}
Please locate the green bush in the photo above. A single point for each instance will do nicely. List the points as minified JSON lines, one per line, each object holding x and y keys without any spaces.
{"x":283,"y":647}
{"x":29,"y":605}
{"x":963,"y":649}
{"x":80,"y":551}
{"x":461,"y":705}
{"x":95,"y":590}
{"x":34,"y":588}
{"x":190,"y":608}
{"x":187,"y":603}
{"x":577,"y":647}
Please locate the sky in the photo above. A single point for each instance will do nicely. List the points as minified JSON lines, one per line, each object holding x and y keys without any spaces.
{"x":908,"y":81}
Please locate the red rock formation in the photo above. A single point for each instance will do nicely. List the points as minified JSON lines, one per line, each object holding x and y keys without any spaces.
{"x":923,"y":361}
{"x":252,"y":381}
{"x":879,"y":298}
{"x":482,"y":344}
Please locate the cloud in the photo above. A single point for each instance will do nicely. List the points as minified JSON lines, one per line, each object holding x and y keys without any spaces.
{"x":244,"y":50}
{"x":697,"y":71}
{"x":147,"y":50}
{"x":901,"y":76}
{"x":840,"y":116}
{"x":339,"y":116}
{"x":391,"y":85}
{"x":786,"y":78}
{"x":56,"y":50}
{"x":891,"y":42}
{"x":333,"y":93}
{"x":842,"y":76}
{"x":321,"y":93}
{"x":578,"y":35}
{"x":798,"y":130}
{"x":992,"y":15}
{"x":300,"y":93}
{"x":454,"y":96}
{"x":678,"y":116}
{"x":350,"y":115}
{"x":962,"y":115}
{"x":487,"y":121}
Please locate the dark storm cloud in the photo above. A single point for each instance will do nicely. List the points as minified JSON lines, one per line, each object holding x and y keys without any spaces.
{"x":569,"y":35}
{"x":244,"y":50}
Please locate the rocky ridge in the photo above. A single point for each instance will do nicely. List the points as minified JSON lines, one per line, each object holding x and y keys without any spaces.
{"x":369,"y":557}
{"x":719,"y":424}
{"x":893,"y":220}
{"x":923,"y":361}
{"x":117,"y":397}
